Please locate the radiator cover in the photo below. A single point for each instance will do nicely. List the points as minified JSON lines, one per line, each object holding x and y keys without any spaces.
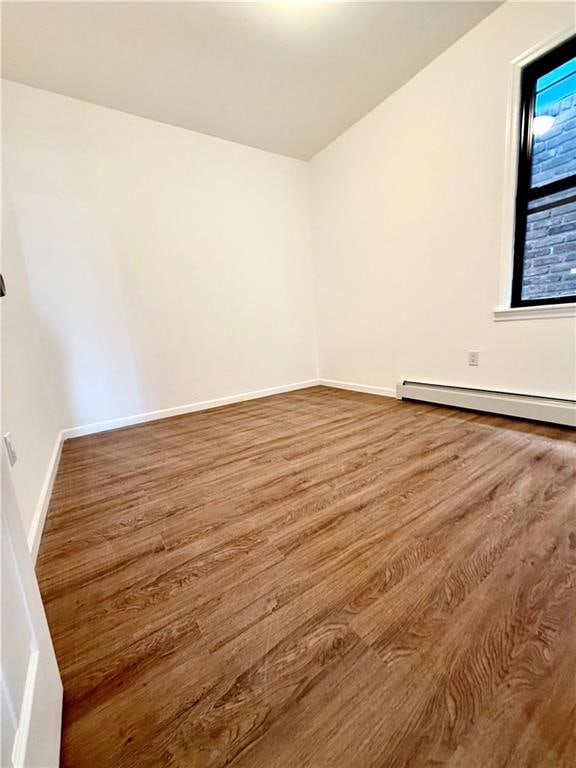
{"x":553,"y":410}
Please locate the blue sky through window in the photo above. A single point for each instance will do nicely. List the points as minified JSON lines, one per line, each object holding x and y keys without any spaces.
{"x":556,"y":85}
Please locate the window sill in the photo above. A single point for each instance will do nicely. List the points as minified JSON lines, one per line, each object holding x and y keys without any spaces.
{"x":540,"y":312}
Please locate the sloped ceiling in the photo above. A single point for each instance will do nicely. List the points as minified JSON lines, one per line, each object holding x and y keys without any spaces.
{"x":282,"y":76}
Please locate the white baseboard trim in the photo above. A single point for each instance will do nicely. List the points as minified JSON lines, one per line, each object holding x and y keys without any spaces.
{"x":179,"y":410}
{"x":37,"y":526}
{"x":383,"y":391}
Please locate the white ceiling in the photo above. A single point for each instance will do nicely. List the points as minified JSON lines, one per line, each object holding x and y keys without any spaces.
{"x":283,"y":76}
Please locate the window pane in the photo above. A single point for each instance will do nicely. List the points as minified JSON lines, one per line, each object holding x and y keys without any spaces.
{"x":554,"y":144}
{"x":550,"y":253}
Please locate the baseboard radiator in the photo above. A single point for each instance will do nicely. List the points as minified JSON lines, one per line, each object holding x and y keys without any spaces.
{"x":553,"y":410}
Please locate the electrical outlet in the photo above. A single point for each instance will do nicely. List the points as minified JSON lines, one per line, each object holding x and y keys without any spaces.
{"x":473,"y":357}
{"x":10,"y":449}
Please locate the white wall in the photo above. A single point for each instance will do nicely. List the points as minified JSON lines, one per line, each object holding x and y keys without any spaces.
{"x":147,"y":267}
{"x":34,"y":406}
{"x":407,"y":217}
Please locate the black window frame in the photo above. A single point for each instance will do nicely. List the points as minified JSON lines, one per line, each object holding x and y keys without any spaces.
{"x":525,"y":194}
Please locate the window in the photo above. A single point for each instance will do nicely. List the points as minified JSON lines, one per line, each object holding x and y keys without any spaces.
{"x":545,"y":235}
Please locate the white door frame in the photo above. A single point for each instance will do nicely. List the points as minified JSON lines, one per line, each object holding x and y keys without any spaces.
{"x":32,"y":718}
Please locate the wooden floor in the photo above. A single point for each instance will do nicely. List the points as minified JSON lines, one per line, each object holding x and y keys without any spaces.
{"x":320,"y":578}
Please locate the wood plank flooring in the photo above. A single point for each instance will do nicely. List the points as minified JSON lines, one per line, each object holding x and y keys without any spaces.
{"x":320,"y":578}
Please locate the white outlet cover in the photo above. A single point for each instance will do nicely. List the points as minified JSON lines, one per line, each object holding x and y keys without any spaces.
{"x":473,"y":357}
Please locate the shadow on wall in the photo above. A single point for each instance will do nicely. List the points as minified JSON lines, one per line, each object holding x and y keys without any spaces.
{"x":34,"y":381}
{"x":70,"y":260}
{"x":53,"y":368}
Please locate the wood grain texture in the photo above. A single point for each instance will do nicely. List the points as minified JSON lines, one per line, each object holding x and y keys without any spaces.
{"x":319,"y":578}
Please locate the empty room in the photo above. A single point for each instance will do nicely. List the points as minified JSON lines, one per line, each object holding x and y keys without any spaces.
{"x":288,"y":378}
